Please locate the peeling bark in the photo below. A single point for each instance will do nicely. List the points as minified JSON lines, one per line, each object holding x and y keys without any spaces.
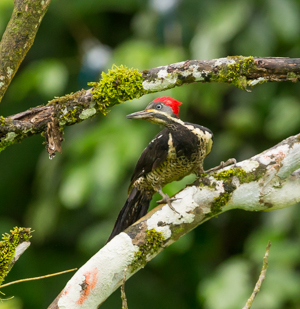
{"x":53,"y":137}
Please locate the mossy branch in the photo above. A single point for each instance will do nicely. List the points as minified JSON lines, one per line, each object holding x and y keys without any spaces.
{"x":18,"y":37}
{"x":117,"y":86}
{"x":121,"y":84}
{"x":265,"y":182}
{"x":11,"y":248}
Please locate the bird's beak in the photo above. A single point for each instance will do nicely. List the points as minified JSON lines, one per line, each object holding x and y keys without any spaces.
{"x":148,"y":113}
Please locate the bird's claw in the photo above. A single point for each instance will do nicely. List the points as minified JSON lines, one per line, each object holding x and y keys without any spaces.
{"x":230,"y":161}
{"x":167,"y":200}
{"x":222,"y":165}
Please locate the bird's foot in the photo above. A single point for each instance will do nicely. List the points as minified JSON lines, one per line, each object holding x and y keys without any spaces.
{"x":222,"y":165}
{"x":166,"y":200}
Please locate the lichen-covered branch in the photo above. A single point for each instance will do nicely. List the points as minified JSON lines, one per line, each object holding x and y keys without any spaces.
{"x":121,"y":84}
{"x":66,"y":110}
{"x":240,"y":71}
{"x":267,"y":181}
{"x":18,"y":37}
{"x":12,"y":247}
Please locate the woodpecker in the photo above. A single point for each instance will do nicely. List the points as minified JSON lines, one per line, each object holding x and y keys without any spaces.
{"x":175,"y":152}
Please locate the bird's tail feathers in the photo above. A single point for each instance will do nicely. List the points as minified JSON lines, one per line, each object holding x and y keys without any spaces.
{"x":135,"y":207}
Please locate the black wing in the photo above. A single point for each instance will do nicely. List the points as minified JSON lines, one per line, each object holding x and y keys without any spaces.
{"x":204,"y":130}
{"x":153,"y":155}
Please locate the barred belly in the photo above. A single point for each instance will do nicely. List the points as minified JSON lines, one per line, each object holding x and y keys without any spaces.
{"x":170,"y":170}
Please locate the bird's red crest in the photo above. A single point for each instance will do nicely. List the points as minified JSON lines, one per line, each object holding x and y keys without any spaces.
{"x":174,"y":104}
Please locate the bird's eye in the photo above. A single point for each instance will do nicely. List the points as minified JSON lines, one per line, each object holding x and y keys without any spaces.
{"x":158,"y":106}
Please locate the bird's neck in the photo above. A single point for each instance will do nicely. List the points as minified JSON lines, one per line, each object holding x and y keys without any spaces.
{"x":167,"y":121}
{"x":173,"y":123}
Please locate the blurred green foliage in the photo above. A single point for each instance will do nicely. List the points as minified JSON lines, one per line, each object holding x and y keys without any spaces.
{"x":72,"y":201}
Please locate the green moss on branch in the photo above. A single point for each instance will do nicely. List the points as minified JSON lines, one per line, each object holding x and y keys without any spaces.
{"x":219,"y":202}
{"x":118,"y":85}
{"x":236,"y":72}
{"x":8,"y":248}
{"x":152,"y":244}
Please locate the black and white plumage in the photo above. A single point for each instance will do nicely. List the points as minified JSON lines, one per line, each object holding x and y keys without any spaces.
{"x":175,"y":152}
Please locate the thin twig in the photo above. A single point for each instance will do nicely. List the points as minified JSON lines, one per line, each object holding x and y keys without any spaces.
{"x":123,"y":295}
{"x":37,"y":278}
{"x":260,"y":279}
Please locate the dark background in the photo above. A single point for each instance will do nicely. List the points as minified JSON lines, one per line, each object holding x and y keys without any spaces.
{"x":72,"y":201}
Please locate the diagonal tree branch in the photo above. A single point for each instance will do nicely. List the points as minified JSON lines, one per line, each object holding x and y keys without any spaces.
{"x":267,"y":181}
{"x":18,"y":37}
{"x":71,"y":109}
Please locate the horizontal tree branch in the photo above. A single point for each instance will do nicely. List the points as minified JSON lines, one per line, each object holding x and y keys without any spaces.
{"x":18,"y":37}
{"x":240,"y":71}
{"x":74,"y":108}
{"x":267,"y":181}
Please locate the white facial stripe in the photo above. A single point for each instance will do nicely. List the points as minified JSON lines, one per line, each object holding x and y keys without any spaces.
{"x":175,"y":119}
